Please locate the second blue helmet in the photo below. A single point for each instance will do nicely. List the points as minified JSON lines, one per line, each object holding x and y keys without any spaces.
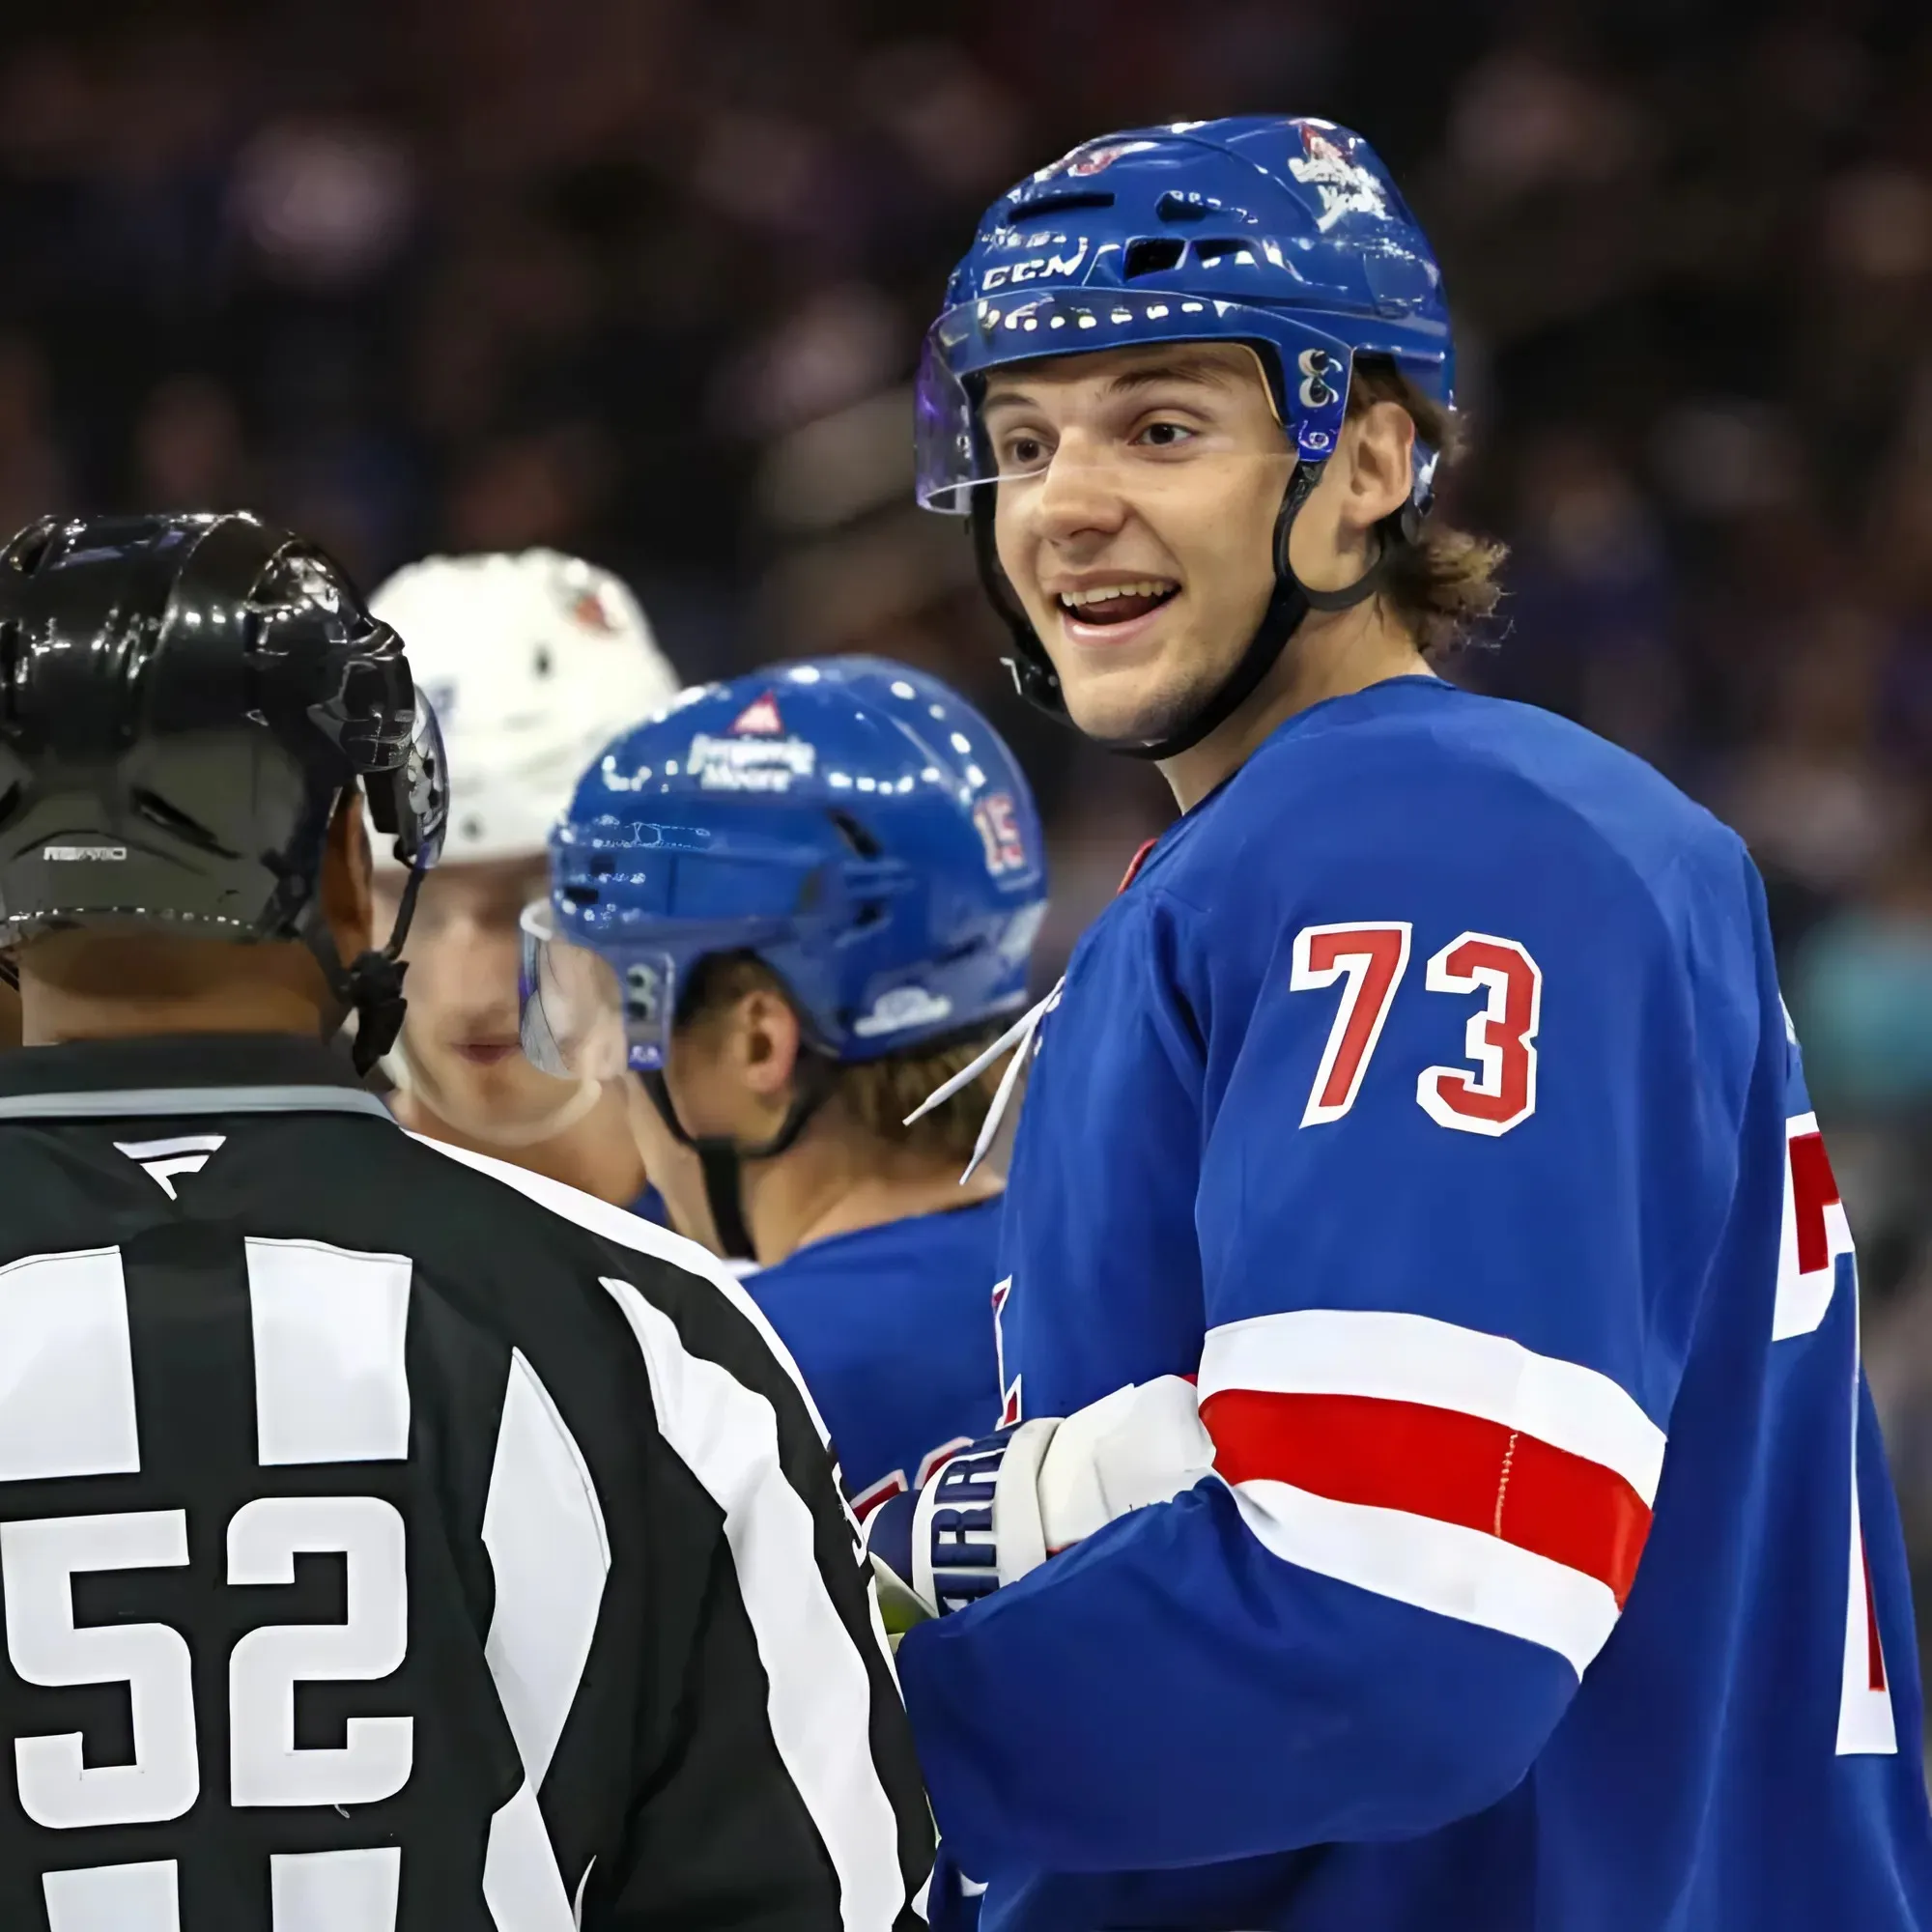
{"x":852,"y":822}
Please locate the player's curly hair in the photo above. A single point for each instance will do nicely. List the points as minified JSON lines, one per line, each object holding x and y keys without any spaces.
{"x":877,"y":1095}
{"x":1444,"y":584}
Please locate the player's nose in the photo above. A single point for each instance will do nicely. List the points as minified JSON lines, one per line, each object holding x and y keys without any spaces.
{"x":1079,"y":494}
{"x":479,"y":966}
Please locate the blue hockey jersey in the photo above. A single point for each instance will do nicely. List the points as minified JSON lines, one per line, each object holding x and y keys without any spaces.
{"x":649,"y":1206}
{"x":892,"y":1327}
{"x":1428,"y":1096}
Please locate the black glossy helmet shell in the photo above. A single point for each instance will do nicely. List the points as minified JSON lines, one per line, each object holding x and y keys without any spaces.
{"x":183,"y":702}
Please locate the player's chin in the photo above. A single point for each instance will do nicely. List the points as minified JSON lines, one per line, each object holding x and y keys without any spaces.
{"x":486,"y":1082}
{"x":1122,"y":701}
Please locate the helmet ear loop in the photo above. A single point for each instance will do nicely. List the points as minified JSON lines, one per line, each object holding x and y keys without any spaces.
{"x":1390,"y":532}
{"x":1403,"y":527}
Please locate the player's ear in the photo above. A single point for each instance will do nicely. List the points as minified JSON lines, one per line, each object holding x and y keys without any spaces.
{"x":769,"y":1040}
{"x":1378,"y":447}
{"x":348,"y":879}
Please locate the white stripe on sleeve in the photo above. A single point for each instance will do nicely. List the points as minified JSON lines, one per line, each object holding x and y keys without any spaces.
{"x":522,"y":1886}
{"x":1442,"y":1567}
{"x":633,"y":1230}
{"x":544,"y":1529}
{"x":820,"y":1697}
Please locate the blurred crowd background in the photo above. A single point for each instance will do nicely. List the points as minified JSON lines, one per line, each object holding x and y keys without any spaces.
{"x":646,"y":279}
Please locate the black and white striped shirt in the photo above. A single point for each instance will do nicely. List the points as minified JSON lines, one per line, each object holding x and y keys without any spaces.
{"x":393,"y":1540}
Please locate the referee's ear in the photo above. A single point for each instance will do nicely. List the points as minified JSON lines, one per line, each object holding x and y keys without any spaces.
{"x":348,"y":879}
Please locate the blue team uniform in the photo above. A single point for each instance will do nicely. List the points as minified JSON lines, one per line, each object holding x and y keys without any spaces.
{"x":1429,"y":1096}
{"x":891,"y":1328}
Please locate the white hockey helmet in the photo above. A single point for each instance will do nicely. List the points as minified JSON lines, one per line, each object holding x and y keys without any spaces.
{"x":532,"y":660}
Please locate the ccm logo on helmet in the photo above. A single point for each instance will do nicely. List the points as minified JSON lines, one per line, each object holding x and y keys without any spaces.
{"x":1055,"y":268}
{"x":59,"y":852}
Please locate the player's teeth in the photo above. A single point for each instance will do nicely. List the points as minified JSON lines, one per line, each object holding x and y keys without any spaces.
{"x":1153,"y":587}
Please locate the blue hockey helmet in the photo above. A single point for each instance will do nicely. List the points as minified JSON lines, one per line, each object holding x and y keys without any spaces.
{"x":852,"y":822}
{"x":1284,"y":233}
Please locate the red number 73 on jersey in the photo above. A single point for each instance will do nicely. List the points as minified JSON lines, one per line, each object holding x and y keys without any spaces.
{"x":1498,"y":1094}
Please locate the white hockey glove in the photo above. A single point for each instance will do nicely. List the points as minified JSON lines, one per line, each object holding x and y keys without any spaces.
{"x":1004,"y":1506}
{"x":1143,"y":1444}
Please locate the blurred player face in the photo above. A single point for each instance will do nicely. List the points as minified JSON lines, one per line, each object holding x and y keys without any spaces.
{"x":1137,"y":502}
{"x":461,"y":1038}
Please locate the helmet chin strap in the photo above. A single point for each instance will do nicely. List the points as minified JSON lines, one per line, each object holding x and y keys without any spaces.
{"x":722,"y":1157}
{"x":1040,"y":683}
{"x":371,"y":985}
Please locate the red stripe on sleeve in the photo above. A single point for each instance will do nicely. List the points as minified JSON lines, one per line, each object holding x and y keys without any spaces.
{"x":1437,"y":1462}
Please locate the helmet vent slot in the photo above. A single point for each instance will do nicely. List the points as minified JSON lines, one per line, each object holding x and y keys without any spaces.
{"x":157,"y":810}
{"x":856,"y":835}
{"x":1152,"y":255}
{"x":1062,"y":204}
{"x":1210,"y":249}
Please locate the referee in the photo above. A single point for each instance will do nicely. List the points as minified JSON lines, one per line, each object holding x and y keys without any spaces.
{"x":390,"y":1539}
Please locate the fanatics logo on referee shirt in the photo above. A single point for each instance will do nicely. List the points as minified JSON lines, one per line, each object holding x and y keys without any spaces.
{"x":162,"y":1160}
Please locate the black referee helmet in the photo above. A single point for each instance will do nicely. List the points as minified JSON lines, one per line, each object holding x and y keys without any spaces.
{"x":183,"y":701}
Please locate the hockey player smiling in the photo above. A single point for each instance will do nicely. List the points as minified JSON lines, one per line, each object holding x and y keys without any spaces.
{"x":1138,"y":491}
{"x":1437,"y":1487}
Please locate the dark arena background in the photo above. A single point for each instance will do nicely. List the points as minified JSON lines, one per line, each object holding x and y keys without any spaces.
{"x":646,"y":279}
